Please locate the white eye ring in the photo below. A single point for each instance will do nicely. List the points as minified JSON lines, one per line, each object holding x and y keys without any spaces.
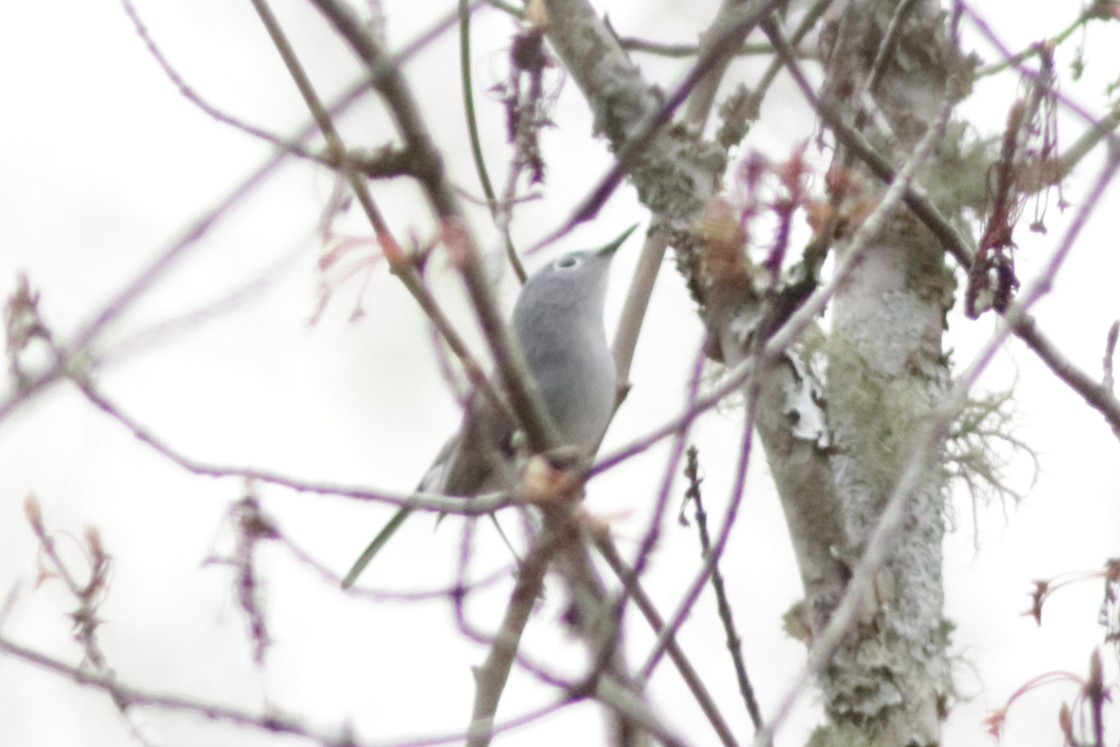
{"x":566,"y":262}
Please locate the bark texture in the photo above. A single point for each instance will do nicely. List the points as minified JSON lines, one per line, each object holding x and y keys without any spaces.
{"x":837,"y":447}
{"x":886,"y":370}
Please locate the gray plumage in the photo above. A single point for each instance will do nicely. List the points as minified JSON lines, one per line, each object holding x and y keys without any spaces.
{"x":558,"y":322}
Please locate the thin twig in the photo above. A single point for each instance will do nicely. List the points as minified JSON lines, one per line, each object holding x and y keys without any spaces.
{"x":989,"y":33}
{"x":1099,"y":397}
{"x":460,"y":590}
{"x":653,"y":251}
{"x":382,"y":596}
{"x":164,"y":331}
{"x":390,"y":84}
{"x":611,"y":638}
{"x":490,"y":677}
{"x":782,"y":338}
{"x":638,"y":294}
{"x":954,"y":243}
{"x":400,"y":265}
{"x":720,"y":48}
{"x":468,"y":102}
{"x":695,"y":683}
{"x":739,"y":24}
{"x":520,"y":389}
{"x":923,"y":455}
{"x":951,"y":240}
{"x":292,"y":147}
{"x":186,"y":240}
{"x":793,"y":326}
{"x":885,"y":54}
{"x":1016,"y":60}
{"x":123,"y":299}
{"x":1110,"y":356}
{"x":90,"y":594}
{"x":666,"y":49}
{"x":271,"y":722}
{"x":738,"y":490}
{"x":734,"y":640}
{"x":814,"y":14}
{"x":477,"y":506}
{"x":1099,"y":131}
{"x":661,"y":503}
{"x":9,"y":603}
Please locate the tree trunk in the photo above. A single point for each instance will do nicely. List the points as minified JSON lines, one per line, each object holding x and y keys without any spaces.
{"x":886,"y":369}
{"x":888,"y":684}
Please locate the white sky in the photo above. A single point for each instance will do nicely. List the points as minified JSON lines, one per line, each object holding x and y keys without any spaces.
{"x":104,"y":164}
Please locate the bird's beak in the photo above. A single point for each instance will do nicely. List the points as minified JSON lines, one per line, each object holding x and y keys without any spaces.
{"x":610,"y":248}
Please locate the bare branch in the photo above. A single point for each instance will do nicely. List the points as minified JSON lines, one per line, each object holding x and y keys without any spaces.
{"x":989,"y":34}
{"x":79,"y":344}
{"x":521,"y":390}
{"x":653,"y":532}
{"x":1099,"y":397}
{"x":468,"y":101}
{"x":665,"y":49}
{"x":74,"y":350}
{"x":714,"y":44}
{"x":812,"y":16}
{"x":1110,"y":355}
{"x":790,"y":329}
{"x":607,"y":549}
{"x":625,"y":341}
{"x":477,"y":506}
{"x":630,"y":115}
{"x":734,"y":641}
{"x":331,"y":579}
{"x":293,"y":147}
{"x":400,"y":265}
{"x":524,"y":399}
{"x":887,"y":46}
{"x":270,"y":722}
{"x":883,"y":538}
{"x":491,"y":676}
{"x":688,"y":600}
{"x":951,"y":239}
{"x":956,"y":244}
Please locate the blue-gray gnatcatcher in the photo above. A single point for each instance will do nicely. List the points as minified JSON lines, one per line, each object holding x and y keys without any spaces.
{"x":558,"y":322}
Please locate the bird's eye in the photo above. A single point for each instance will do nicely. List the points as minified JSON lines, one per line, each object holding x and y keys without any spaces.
{"x":567,"y":262}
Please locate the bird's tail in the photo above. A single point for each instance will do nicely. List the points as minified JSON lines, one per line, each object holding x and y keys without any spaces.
{"x":375,"y":546}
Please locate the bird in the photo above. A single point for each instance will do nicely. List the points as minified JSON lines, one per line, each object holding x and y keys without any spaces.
{"x":558,"y":322}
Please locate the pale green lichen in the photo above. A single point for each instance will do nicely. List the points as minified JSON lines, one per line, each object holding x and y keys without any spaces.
{"x":839,"y":735}
{"x":981,"y":449}
{"x":881,"y":412}
{"x":958,"y":180}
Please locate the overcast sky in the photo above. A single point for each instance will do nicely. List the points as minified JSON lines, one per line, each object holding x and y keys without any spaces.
{"x":104,"y":165}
